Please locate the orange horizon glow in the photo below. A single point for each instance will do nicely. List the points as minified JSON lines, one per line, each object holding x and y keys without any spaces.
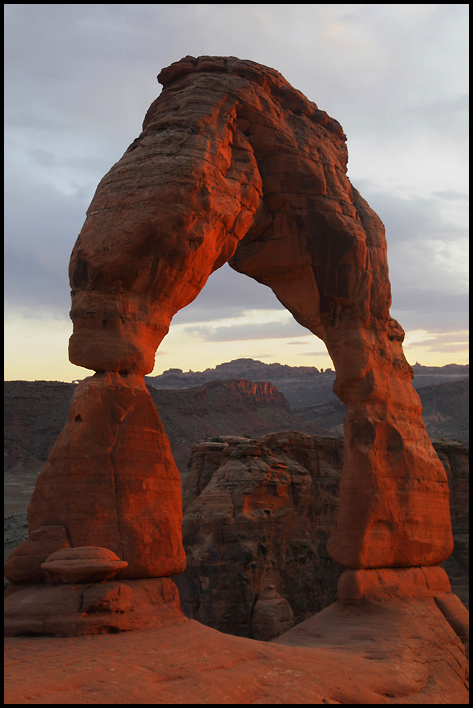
{"x":37,"y":350}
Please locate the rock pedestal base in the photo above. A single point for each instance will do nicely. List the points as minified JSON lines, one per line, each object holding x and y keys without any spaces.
{"x":392,"y":650}
{"x":358,"y":587}
{"x":90,"y":608}
{"x":384,"y":583}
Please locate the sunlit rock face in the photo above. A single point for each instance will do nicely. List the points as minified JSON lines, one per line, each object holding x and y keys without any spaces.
{"x":111,"y":480}
{"x":233,"y":164}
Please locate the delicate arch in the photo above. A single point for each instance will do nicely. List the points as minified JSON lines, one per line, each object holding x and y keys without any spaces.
{"x":233,"y":164}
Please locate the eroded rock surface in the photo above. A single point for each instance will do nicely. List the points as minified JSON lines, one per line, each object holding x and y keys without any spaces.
{"x":24,"y":563}
{"x":230,"y":553}
{"x":258,"y":513}
{"x":111,"y":479}
{"x":234,"y":163}
{"x":388,"y":653}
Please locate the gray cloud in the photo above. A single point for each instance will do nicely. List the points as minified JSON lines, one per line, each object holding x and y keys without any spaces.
{"x":227,"y":294}
{"x":265,"y":330}
{"x":79,"y":79}
{"x":444,"y":342}
{"x":451,"y":194}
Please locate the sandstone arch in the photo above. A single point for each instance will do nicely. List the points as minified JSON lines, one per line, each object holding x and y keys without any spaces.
{"x":234,"y":165}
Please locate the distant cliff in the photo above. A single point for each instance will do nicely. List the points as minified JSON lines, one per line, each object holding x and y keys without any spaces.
{"x":35,"y":413}
{"x":303,"y":400}
{"x":305,"y":386}
{"x":235,"y":407}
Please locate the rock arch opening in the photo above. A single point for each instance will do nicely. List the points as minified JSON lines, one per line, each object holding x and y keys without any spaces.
{"x":235,"y":165}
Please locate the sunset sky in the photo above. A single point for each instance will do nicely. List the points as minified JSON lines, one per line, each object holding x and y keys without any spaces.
{"x":78,"y":82}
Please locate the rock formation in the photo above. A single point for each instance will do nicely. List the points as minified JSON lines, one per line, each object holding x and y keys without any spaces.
{"x":113,"y":473}
{"x":455,"y":458}
{"x":241,"y":534}
{"x":234,"y":165}
{"x":258,"y":513}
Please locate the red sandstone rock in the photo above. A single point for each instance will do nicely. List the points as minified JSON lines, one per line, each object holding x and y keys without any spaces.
{"x":400,"y":644}
{"x":83,"y":553}
{"x":86,"y":564}
{"x":234,"y":163}
{"x":387,"y":653}
{"x":107,"y":597}
{"x":71,"y":610}
{"x":386,"y":583}
{"x":272,"y":615}
{"x":456,"y":615}
{"x":24,"y":564}
{"x":111,"y":479}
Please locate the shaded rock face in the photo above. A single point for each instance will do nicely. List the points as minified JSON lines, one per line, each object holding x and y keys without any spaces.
{"x":233,"y":164}
{"x":259,"y":512}
{"x":455,"y":458}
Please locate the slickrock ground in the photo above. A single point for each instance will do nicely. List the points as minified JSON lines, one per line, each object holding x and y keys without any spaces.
{"x":406,"y":653}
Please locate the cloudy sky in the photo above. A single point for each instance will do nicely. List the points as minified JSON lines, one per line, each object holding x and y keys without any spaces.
{"x":79,"y":79}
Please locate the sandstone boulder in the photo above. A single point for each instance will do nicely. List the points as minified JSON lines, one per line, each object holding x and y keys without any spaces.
{"x":24,"y":564}
{"x":272,"y":615}
{"x":86,"y":564}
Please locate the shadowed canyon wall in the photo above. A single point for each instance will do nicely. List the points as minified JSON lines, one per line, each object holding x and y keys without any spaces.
{"x":258,"y":513}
